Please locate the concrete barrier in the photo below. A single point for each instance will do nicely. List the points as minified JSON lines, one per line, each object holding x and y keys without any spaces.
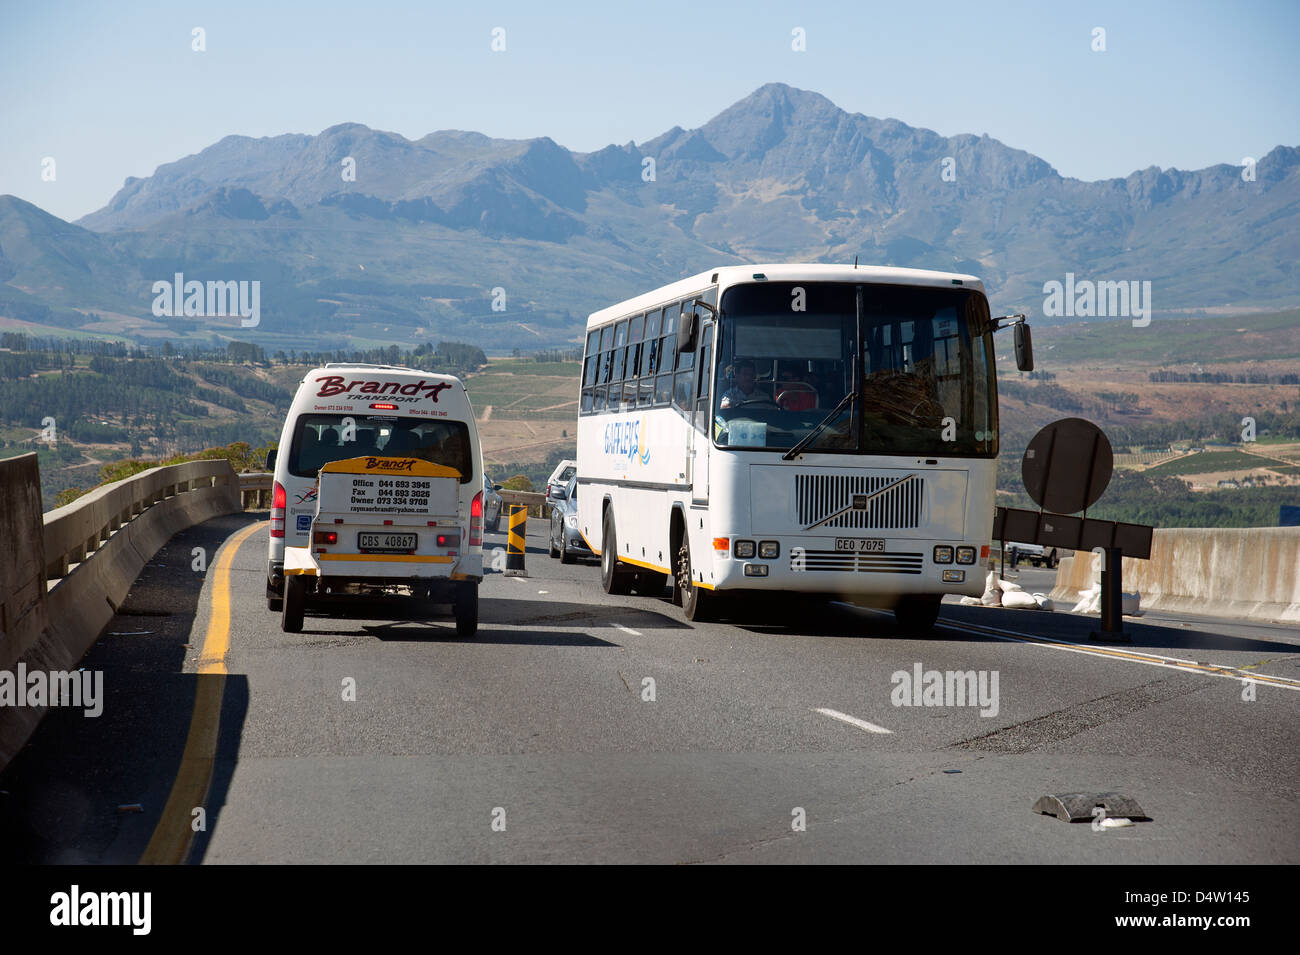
{"x":1251,"y":572}
{"x":64,"y":574}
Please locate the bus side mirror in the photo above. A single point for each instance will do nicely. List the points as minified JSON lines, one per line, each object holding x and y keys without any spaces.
{"x":686,"y":328}
{"x":270,"y":460}
{"x":1024,"y":348}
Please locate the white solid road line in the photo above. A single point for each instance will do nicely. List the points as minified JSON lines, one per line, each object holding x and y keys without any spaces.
{"x":619,"y":626}
{"x":853,"y":721}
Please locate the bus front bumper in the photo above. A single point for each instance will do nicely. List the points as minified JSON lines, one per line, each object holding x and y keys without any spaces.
{"x":904,"y":567}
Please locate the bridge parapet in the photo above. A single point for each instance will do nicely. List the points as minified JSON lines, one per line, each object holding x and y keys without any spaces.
{"x":64,"y":574}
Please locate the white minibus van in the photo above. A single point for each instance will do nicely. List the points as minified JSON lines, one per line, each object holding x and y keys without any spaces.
{"x":363,"y":411}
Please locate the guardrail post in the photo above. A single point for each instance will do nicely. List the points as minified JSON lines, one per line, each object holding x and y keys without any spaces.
{"x":515,"y":541}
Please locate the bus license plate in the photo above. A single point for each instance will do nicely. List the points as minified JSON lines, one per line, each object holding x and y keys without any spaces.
{"x":385,"y":543}
{"x":861,"y":544}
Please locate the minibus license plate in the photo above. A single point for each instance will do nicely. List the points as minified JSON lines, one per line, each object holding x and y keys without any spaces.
{"x":385,"y":543}
{"x":861,"y":544}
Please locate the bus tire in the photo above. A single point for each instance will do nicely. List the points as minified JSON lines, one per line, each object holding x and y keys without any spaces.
{"x":916,"y":613}
{"x":698,"y":605}
{"x":614,"y":578}
{"x":466,"y":610}
{"x":295,"y":604}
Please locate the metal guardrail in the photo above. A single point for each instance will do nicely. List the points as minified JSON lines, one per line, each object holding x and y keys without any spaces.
{"x":76,"y":530}
{"x":254,"y":486}
{"x":530,"y":498}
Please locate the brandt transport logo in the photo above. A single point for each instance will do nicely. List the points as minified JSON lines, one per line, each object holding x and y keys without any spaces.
{"x":334,"y":385}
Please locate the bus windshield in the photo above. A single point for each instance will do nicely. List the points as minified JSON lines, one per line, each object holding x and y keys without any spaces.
{"x":785,"y":361}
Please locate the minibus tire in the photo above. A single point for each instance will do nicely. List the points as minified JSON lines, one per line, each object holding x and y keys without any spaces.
{"x":613,"y":578}
{"x":917,"y":613}
{"x":274,"y":602}
{"x":295,"y":603}
{"x":466,"y":610}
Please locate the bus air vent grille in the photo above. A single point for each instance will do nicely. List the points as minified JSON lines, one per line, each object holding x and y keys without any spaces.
{"x":814,"y":560}
{"x":819,"y":495}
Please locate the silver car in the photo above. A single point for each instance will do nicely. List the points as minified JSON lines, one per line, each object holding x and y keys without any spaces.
{"x":567,"y":542}
{"x":491,"y":505}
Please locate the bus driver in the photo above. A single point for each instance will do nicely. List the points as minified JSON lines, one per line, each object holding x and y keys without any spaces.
{"x":744,"y":390}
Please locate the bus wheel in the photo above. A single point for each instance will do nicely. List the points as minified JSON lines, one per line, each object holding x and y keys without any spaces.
{"x":295,"y":602}
{"x":613,"y":578}
{"x":466,"y":610}
{"x":916,"y":613}
{"x":697,"y":603}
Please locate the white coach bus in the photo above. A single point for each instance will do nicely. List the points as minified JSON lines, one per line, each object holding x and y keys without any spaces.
{"x":816,"y":429}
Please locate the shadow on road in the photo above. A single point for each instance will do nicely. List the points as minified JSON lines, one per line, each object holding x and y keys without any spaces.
{"x":92,"y":790}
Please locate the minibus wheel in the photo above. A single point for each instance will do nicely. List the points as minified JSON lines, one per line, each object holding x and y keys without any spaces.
{"x":295,"y":602}
{"x":466,"y":610}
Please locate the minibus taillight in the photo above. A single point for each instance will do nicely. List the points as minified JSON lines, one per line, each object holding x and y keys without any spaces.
{"x":476,"y":521}
{"x":278,"y":501}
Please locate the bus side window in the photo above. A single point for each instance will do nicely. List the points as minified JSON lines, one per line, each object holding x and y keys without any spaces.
{"x":684,"y":387}
{"x":703,"y":370}
{"x":634,"y":346}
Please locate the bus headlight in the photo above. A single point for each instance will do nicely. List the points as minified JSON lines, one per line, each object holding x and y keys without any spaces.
{"x":769,"y":550}
{"x":965,"y":555}
{"x":943,"y":554}
{"x":744,"y":549}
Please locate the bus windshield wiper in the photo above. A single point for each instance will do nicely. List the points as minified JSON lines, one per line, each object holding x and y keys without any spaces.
{"x":808,"y":438}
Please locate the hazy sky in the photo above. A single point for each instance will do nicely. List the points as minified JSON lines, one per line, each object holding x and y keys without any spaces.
{"x":111,"y":90}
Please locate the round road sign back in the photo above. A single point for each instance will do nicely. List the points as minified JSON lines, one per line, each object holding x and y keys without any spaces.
{"x":1067,"y":466}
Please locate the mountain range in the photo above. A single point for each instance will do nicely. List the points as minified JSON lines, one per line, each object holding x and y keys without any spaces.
{"x":362,"y":237}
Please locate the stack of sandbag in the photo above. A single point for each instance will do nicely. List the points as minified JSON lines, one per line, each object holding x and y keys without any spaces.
{"x":1005,"y":593}
{"x":1090,"y":602}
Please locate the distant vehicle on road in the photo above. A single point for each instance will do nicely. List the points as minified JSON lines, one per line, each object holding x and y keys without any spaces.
{"x":491,"y":505}
{"x":820,"y":429}
{"x":566,"y":540}
{"x":560,"y":476}
{"x":1035,"y":554}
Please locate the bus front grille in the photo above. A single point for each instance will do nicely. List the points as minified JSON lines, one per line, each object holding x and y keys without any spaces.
{"x":814,"y":560}
{"x":819,"y":495}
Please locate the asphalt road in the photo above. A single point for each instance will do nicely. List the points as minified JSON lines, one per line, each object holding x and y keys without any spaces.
{"x":540,"y":741}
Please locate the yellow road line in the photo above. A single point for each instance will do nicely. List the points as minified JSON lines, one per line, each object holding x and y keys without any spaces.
{"x":171,"y":839}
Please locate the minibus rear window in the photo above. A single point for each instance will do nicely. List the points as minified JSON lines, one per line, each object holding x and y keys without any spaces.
{"x":321,"y":438}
